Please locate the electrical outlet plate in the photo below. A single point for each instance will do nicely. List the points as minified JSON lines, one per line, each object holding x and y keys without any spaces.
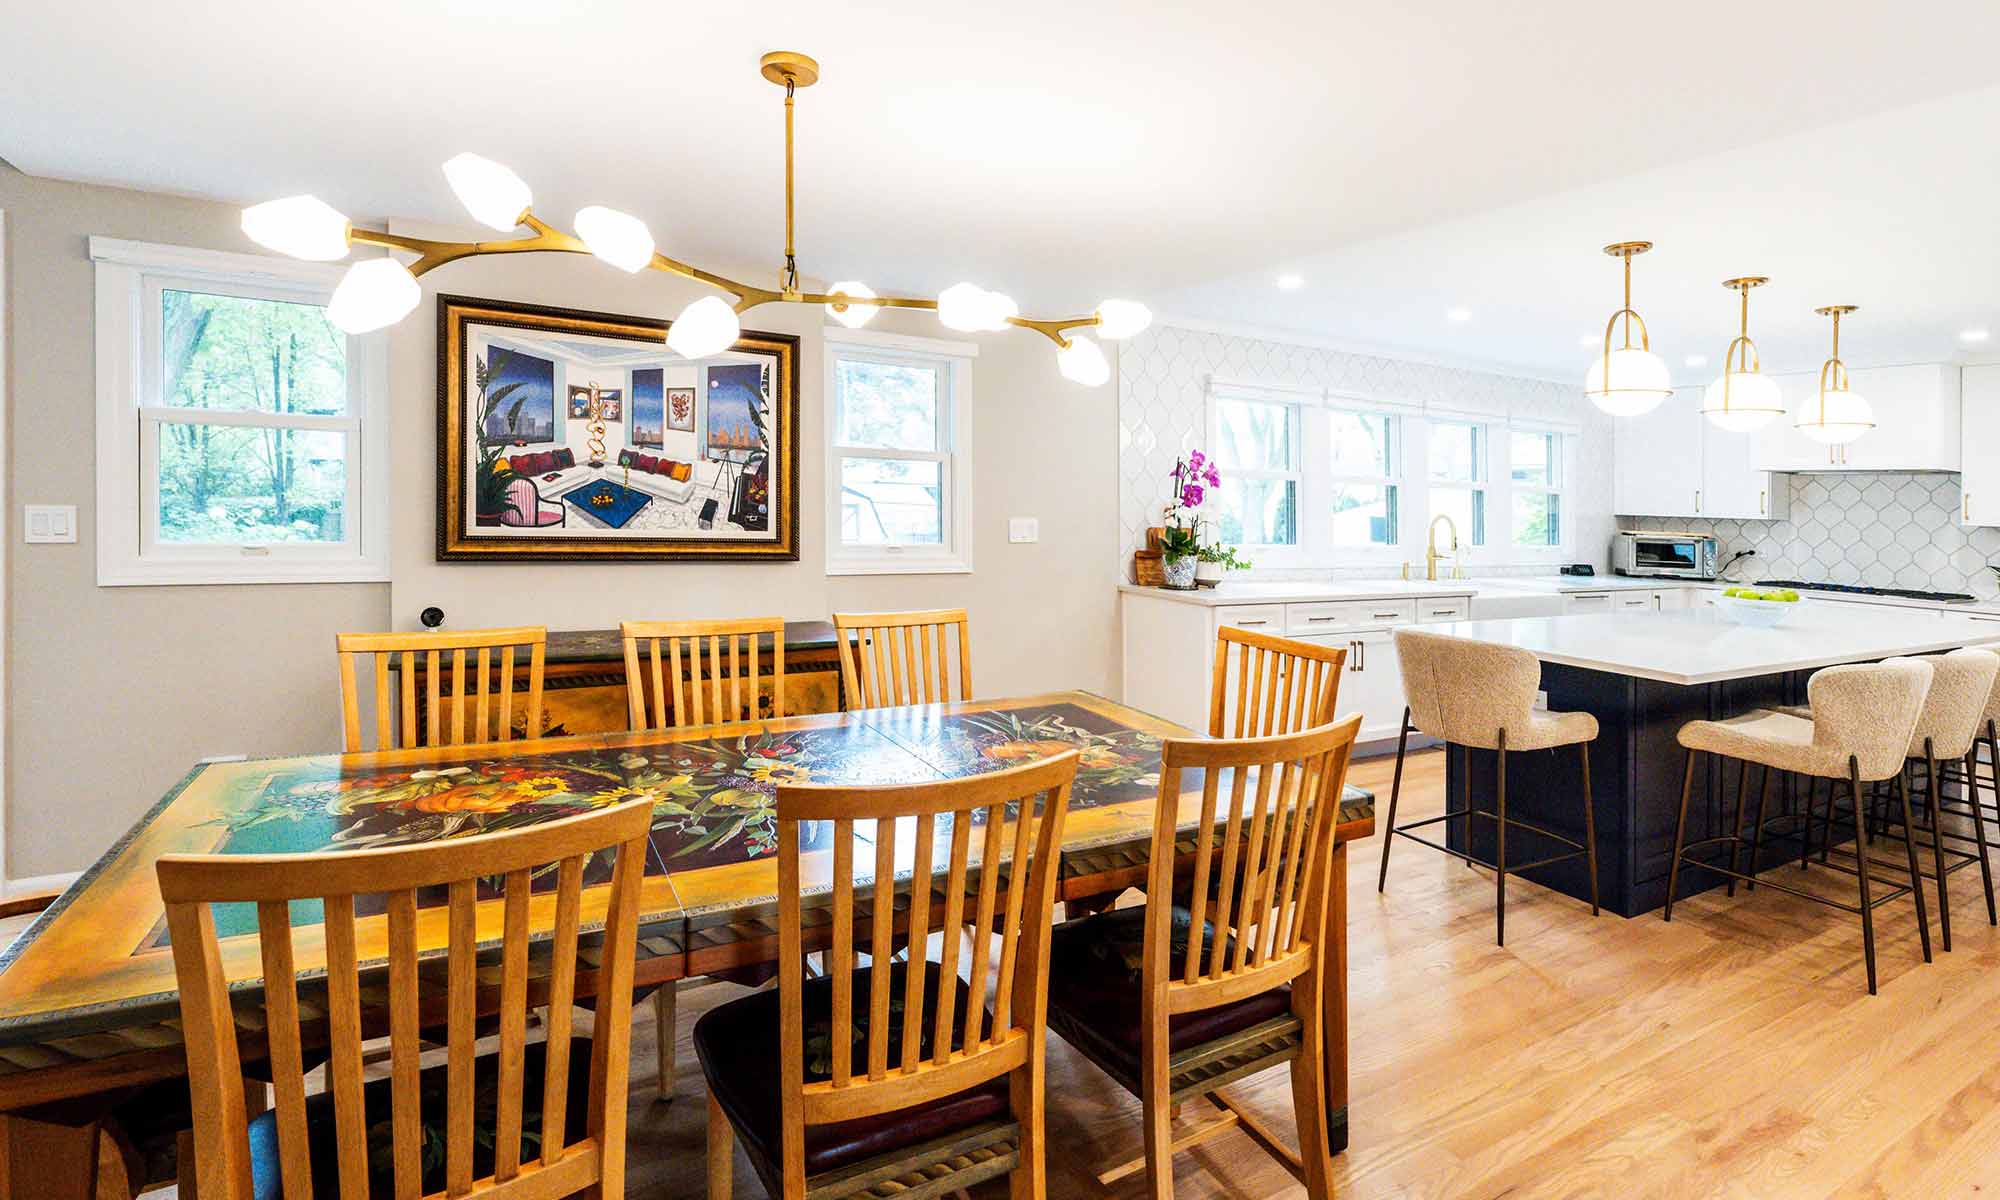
{"x":1024,"y":529}
{"x":49,"y":523}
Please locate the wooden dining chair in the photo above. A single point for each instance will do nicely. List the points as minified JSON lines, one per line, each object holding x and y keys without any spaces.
{"x":892,"y":658}
{"x":331,"y":1144}
{"x":1233,"y":983}
{"x":1281,"y":685}
{"x":676,"y":679}
{"x":897,"y":1077}
{"x":679,"y":696}
{"x":492,"y":696}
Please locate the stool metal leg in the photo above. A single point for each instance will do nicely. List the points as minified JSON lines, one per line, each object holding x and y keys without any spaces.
{"x":1979,"y":831}
{"x":1500,"y":846}
{"x":1395,"y":793}
{"x":1916,"y":879}
{"x":1590,"y":825}
{"x":1806,"y":821}
{"x":1680,"y":836}
{"x":1934,"y":797}
{"x":1736,"y":825}
{"x":1757,"y":831}
{"x":1861,"y":872}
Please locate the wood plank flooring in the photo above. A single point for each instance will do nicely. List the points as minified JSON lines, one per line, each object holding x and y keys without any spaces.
{"x":1732,"y":1053}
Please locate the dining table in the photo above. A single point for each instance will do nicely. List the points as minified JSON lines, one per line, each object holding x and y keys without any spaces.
{"x":89,"y":1014}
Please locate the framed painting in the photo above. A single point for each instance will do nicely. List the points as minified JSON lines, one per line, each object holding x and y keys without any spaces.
{"x":537,"y":460}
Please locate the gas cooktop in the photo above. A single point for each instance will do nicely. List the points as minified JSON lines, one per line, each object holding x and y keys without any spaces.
{"x":1858,"y":590}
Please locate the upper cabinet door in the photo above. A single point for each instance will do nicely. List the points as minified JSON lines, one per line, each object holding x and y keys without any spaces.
{"x":1916,"y":423}
{"x":1733,"y":485}
{"x":1979,"y":478}
{"x":1656,"y":459}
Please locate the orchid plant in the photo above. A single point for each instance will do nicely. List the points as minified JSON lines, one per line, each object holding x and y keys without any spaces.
{"x":1194,"y":476}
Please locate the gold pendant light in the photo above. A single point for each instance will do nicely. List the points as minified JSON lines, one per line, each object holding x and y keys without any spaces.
{"x":1835,"y":414}
{"x":1744,"y":399}
{"x":1627,"y":380}
{"x":381,"y":291}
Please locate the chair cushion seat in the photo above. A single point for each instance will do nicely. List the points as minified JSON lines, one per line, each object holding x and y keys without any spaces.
{"x":1770,"y":738}
{"x":736,"y":1043}
{"x":1096,"y":979}
{"x":322,"y":1134}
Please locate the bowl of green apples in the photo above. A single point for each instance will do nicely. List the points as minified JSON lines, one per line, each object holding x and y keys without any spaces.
{"x":1762,"y":608}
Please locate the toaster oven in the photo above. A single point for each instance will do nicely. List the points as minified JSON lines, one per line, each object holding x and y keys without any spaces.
{"x":1667,"y":555}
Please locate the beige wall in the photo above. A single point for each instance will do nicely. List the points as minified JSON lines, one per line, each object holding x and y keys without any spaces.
{"x":1044,"y":615}
{"x":114,"y":692}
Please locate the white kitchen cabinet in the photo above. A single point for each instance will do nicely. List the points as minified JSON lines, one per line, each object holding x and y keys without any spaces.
{"x":1917,"y":423}
{"x":1587,"y":602}
{"x":1371,"y":683}
{"x":1979,"y":466}
{"x":1672,"y":462}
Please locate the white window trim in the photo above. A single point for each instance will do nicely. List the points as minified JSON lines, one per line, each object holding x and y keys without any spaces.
{"x":128,"y":278}
{"x":955,"y":556}
{"x":1503,"y":473}
{"x":1403,"y":468}
{"x":1481,"y":484}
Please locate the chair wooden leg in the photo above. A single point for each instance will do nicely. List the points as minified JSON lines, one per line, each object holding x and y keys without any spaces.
{"x":1680,"y":837}
{"x":1309,"y":1087}
{"x":721,"y":1152}
{"x":1029,"y":1178}
{"x":1155,"y":1094}
{"x":1395,"y":793}
{"x":666,"y":1021}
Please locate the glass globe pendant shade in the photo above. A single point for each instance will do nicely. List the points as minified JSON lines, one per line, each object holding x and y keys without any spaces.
{"x":494,"y":195}
{"x":854,"y":316}
{"x":1082,"y":361}
{"x":1753,"y":402}
{"x":969,"y":308}
{"x":299,"y":226}
{"x":1833,"y":418}
{"x":1122,"y":318}
{"x":374,"y":294}
{"x":1635,"y":383}
{"x":620,"y":239}
{"x":708,"y":326}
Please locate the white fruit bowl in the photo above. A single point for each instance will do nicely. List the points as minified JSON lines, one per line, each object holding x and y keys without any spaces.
{"x":1762,"y":614}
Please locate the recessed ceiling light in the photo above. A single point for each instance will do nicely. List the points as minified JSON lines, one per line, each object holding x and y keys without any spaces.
{"x":1458,"y":314}
{"x":1973,"y":335}
{"x":1291,"y":283}
{"x":1696,"y":360}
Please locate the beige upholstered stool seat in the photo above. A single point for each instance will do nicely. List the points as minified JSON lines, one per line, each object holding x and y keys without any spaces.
{"x":1780,"y":738}
{"x":1962,"y":693}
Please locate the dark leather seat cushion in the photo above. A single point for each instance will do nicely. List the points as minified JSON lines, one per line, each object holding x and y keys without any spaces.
{"x":737,"y":1041}
{"x":322,"y":1133}
{"x":1096,"y":979}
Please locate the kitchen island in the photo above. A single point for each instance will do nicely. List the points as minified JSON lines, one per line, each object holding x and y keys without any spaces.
{"x":1643,"y":675}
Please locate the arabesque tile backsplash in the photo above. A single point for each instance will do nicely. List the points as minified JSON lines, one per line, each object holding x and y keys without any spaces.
{"x":1878,"y":529}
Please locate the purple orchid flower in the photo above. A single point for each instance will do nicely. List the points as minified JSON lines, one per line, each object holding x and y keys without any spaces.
{"x":1191,"y":495}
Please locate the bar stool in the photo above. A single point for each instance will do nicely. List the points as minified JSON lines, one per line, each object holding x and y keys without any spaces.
{"x":1481,"y":696}
{"x":1863,"y":716}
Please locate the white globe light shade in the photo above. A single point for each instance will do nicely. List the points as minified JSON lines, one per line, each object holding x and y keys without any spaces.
{"x":620,"y":239}
{"x":493,"y":194}
{"x":1754,"y":402}
{"x":300,"y":226}
{"x":708,"y":326}
{"x":963,"y":307}
{"x":1000,"y":309}
{"x":1122,"y":318}
{"x":375,"y":293}
{"x":1844,"y":417}
{"x":1635,"y":383}
{"x":1082,"y":361}
{"x":854,"y":316}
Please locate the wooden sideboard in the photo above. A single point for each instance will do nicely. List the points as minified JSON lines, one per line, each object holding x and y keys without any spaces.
{"x":583,"y":679}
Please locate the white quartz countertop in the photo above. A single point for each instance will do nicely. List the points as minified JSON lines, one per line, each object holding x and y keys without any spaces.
{"x":1583,"y":583}
{"x":1700,"y":645}
{"x":1309,"y":591}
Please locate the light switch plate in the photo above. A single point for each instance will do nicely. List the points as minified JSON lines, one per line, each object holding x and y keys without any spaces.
{"x":1024,"y":529}
{"x":49,"y":523}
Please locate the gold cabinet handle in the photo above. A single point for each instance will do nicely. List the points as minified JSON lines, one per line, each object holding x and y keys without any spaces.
{"x":1965,"y":506}
{"x":1697,"y":499}
{"x":1760,"y":503}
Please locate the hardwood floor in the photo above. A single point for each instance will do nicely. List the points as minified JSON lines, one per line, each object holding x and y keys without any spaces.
{"x":1733,"y":1053}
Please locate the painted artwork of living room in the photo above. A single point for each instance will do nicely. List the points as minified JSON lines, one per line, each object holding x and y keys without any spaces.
{"x":571,"y":436}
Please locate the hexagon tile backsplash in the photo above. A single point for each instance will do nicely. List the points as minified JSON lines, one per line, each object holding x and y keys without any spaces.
{"x":1878,"y":529}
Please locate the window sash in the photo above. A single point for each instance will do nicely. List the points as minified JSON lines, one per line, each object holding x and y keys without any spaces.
{"x":951,"y":551}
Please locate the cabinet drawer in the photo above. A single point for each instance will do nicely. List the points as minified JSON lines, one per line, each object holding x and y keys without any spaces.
{"x":1348,"y":614}
{"x":1457,"y":609}
{"x":1264,"y":618}
{"x":1633,"y":602}
{"x":1587,"y":602}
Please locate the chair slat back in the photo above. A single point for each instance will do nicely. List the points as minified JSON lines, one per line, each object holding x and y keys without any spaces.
{"x":191,"y":884}
{"x":1280,"y":685}
{"x":683,"y":690}
{"x":1015,"y":817}
{"x":445,"y":721}
{"x":1278,"y":803}
{"x":892,"y":658}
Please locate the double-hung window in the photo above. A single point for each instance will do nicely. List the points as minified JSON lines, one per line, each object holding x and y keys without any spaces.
{"x":1457,"y":477}
{"x":898,"y":469}
{"x":241,"y":436}
{"x":1364,"y":473}
{"x":1535,"y":476}
{"x":1257,"y":451}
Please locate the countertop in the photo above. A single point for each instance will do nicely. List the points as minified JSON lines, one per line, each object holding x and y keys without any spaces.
{"x":1700,"y":645}
{"x":1311,"y":591}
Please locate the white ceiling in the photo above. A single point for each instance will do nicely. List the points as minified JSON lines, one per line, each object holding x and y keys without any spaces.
{"x":1407,"y":158}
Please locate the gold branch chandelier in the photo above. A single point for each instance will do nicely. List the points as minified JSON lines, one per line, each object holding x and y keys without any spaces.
{"x":378,"y":292}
